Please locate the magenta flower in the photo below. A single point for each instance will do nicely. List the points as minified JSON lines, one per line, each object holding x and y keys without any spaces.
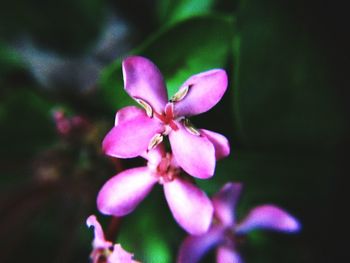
{"x":103,"y":250}
{"x":194,"y":150}
{"x":190,"y":206}
{"x":225,"y":230}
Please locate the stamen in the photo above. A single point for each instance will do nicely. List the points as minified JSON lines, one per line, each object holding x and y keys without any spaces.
{"x":190,"y":128}
{"x":180,"y":95}
{"x":156,"y":139}
{"x":146,"y":106}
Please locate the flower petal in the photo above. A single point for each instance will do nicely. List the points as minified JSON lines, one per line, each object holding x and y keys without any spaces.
{"x":131,"y":138}
{"x":205,"y":91}
{"x":128,"y":113}
{"x":122,"y":193}
{"x":225,"y":202}
{"x":194,"y":153}
{"x":99,"y":237}
{"x":220,"y":142}
{"x":227,"y":255}
{"x":189,"y":205}
{"x":119,"y":255}
{"x":268,"y":217}
{"x":143,"y":80}
{"x":193,"y":248}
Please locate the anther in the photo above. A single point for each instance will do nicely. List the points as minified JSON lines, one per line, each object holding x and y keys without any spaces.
{"x":156,"y":139}
{"x":146,"y":106}
{"x":180,"y":95}
{"x":190,"y":128}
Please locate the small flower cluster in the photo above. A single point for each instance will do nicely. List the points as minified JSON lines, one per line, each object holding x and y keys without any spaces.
{"x":193,"y":154}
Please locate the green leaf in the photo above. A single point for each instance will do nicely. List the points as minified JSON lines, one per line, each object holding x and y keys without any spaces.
{"x":174,"y":11}
{"x":190,"y":47}
{"x":9,"y":59}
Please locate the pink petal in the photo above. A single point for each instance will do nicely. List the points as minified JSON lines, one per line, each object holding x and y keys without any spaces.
{"x":119,"y":255}
{"x":189,"y":205}
{"x":194,"y":153}
{"x":99,"y":241}
{"x":122,"y":193}
{"x":143,"y":80}
{"x":227,"y":255}
{"x":128,"y":113}
{"x":268,"y":217}
{"x":221,"y":144}
{"x":131,"y":138}
{"x":225,"y":202}
{"x":193,"y":248}
{"x":205,"y":91}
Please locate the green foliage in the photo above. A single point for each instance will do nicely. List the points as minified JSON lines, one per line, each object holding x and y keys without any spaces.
{"x":173,"y":11}
{"x":9,"y":60}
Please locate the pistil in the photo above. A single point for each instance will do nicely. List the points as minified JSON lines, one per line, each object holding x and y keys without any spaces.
{"x":168,"y":116}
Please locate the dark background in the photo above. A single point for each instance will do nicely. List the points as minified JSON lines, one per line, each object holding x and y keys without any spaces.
{"x":285,"y":114}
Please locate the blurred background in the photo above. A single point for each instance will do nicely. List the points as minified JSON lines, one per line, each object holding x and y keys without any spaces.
{"x":285,"y":114}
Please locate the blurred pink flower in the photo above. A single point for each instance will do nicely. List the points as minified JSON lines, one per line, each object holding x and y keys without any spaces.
{"x":225,"y":230}
{"x":68,"y":126}
{"x":103,"y":250}
{"x":194,"y":150}
{"x":190,"y":206}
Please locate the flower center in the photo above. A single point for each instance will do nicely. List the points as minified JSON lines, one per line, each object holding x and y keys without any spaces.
{"x":168,"y":116}
{"x":166,"y":171}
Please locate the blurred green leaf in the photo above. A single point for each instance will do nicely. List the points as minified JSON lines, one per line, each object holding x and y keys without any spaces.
{"x":26,"y":123}
{"x":9,"y":59}
{"x":190,"y":47}
{"x":174,"y":11}
{"x":283,"y":94}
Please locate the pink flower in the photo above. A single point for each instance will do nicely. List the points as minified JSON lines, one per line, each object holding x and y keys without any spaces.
{"x":194,"y":150}
{"x":70,"y":126}
{"x":224,"y":232}
{"x":190,"y":206}
{"x":103,"y":250}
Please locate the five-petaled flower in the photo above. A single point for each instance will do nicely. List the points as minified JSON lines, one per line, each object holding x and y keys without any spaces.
{"x":103,"y":250}
{"x":190,"y":206}
{"x":194,"y":150}
{"x":225,"y":230}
